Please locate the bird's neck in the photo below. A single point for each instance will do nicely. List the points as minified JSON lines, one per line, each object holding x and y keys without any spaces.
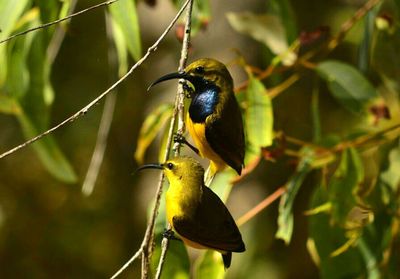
{"x":204,"y":102}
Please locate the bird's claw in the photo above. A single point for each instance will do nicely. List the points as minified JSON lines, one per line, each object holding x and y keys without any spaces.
{"x":169,"y":234}
{"x":179,"y":138}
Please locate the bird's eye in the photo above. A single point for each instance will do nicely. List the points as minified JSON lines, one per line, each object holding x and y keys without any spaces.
{"x":199,"y":70}
{"x":170,"y":166}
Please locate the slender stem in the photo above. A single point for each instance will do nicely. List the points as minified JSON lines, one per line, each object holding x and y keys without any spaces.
{"x":261,"y":206}
{"x":347,"y":25}
{"x":106,"y":118}
{"x":179,"y":106}
{"x":106,"y":3}
{"x":128,"y":263}
{"x":146,"y":247}
{"x":275,"y":91}
{"x":85,"y":109}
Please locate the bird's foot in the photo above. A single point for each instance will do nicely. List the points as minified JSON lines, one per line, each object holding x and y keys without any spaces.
{"x":182,"y":140}
{"x":179,"y":138}
{"x":169,"y":233}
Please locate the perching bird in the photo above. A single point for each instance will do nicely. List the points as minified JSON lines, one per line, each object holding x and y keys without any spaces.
{"x":214,"y":119}
{"x":195,"y":212}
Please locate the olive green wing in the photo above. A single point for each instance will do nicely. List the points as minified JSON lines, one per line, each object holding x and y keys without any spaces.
{"x":211,"y":226}
{"x":224,"y":132}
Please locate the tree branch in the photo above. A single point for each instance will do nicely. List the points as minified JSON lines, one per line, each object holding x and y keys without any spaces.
{"x":261,"y":206}
{"x":146,"y":247}
{"x":179,"y":106}
{"x":58,"y":20}
{"x":85,"y":109}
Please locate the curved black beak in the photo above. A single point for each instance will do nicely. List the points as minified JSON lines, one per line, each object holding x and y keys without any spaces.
{"x":175,"y":75}
{"x":150,"y":166}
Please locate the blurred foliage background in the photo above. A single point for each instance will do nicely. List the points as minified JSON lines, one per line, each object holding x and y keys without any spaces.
{"x":318,"y":82}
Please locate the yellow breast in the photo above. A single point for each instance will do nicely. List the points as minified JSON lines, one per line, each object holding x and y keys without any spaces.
{"x":197,"y":132}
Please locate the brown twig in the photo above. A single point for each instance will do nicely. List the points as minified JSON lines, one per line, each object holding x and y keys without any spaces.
{"x":348,"y":24}
{"x":275,"y":91}
{"x":58,"y":20}
{"x":85,"y":109}
{"x":261,"y":206}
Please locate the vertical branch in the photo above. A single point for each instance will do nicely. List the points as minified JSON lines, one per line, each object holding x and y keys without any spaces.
{"x":177,"y":118}
{"x":146,"y":248}
{"x":179,"y":107}
{"x":106,"y":118}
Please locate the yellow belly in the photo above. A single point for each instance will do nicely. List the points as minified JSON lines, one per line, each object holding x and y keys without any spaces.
{"x":174,"y":209}
{"x":197,"y":132}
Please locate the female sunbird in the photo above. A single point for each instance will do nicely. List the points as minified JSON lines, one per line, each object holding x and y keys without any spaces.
{"x":214,"y":119}
{"x":195,"y":212}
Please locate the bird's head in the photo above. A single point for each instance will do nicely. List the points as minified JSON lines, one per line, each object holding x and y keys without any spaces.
{"x":201,"y":73}
{"x":179,"y":168}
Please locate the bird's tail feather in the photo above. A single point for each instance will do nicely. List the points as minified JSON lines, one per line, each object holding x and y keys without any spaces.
{"x":227,"y":258}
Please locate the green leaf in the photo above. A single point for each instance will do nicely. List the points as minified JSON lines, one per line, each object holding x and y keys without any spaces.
{"x":18,"y":75}
{"x":364,"y":50}
{"x":120,"y":45}
{"x":283,"y":9}
{"x":10,"y":12}
{"x":285,"y":218}
{"x":267,"y":29}
{"x":391,"y":176}
{"x":8,"y":105}
{"x":370,"y":259}
{"x":124,"y":14}
{"x":347,"y":85}
{"x":154,"y":122}
{"x":48,"y":152}
{"x":344,"y":184}
{"x":210,"y":265}
{"x":258,"y":115}
{"x":326,"y":239}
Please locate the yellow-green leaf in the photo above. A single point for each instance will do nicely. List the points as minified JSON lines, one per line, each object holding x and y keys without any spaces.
{"x":285,"y":218}
{"x":342,"y":187}
{"x":258,"y":115}
{"x":8,"y":105}
{"x":120,"y":46}
{"x":267,"y":29}
{"x":210,"y":265}
{"x":154,"y":122}
{"x":391,"y":176}
{"x":125,"y":15}
{"x":347,"y":85}
{"x":10,"y":12}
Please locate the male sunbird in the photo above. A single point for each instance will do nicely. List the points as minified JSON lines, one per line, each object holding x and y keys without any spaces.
{"x":195,"y":212}
{"x":214,"y":119}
